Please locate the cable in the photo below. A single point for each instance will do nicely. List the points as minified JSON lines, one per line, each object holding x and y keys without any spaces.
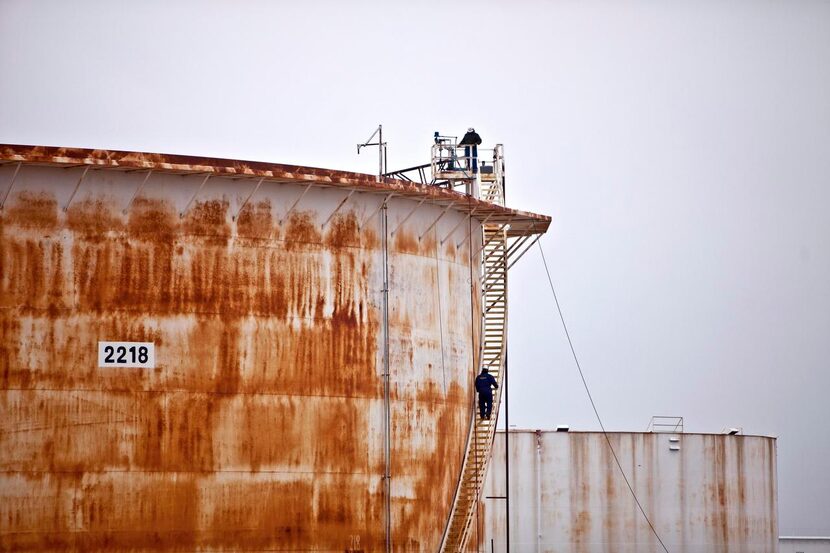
{"x":593,"y":405}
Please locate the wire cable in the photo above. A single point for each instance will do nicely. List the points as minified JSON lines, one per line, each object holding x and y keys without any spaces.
{"x":591,"y":399}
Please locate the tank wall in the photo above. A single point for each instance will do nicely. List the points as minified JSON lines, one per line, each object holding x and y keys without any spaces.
{"x":716,"y":493}
{"x":261,"y":425}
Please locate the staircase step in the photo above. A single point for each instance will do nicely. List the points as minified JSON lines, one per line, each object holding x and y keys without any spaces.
{"x":493,"y":284}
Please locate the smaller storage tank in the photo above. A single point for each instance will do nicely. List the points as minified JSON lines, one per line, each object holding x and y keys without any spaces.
{"x":704,"y":493}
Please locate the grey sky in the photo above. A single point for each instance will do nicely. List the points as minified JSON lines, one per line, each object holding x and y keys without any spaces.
{"x":682,"y":148}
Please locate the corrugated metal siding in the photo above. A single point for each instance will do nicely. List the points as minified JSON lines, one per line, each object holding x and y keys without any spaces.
{"x":261,"y":426}
{"x":716,"y":494}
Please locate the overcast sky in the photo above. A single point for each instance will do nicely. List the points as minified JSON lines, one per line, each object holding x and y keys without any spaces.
{"x":683,"y":150}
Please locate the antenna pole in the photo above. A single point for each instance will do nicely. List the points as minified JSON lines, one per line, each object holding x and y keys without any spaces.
{"x":381,"y":149}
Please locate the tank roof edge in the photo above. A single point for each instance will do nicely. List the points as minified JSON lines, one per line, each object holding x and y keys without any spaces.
{"x":521,"y":222}
{"x":554,"y":431}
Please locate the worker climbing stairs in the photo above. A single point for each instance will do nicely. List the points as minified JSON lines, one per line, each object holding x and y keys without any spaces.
{"x":494,"y":264}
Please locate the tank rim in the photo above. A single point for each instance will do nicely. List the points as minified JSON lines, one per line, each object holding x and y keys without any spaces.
{"x":520,"y":222}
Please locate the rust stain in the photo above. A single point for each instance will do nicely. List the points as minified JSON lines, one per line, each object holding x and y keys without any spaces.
{"x":405,"y":242}
{"x":153,"y":220}
{"x":92,"y":219}
{"x":33,"y":211}
{"x":428,"y":245}
{"x":429,"y":414}
{"x":32,"y":275}
{"x":228,"y":367}
{"x":450,"y":250}
{"x":106,"y":512}
{"x":579,"y":496}
{"x":301,"y":230}
{"x":57,"y":296}
{"x":370,"y":238}
{"x":721,"y":514}
{"x":275,"y":513}
{"x":609,"y":527}
{"x":208,"y":219}
{"x":256,"y":221}
{"x":10,"y":347}
{"x":344,"y":231}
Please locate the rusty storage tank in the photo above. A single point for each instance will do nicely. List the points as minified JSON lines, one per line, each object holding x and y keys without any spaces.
{"x":704,"y":493}
{"x":247,"y":407}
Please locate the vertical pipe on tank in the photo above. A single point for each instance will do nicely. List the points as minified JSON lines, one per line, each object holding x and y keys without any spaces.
{"x":387,"y":438}
{"x":538,"y":491}
{"x":506,"y":454}
{"x":506,"y":403}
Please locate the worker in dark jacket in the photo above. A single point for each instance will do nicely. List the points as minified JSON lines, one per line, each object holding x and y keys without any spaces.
{"x":470,"y":142}
{"x":484,"y":386}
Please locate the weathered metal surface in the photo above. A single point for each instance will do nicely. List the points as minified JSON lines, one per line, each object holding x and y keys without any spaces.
{"x":261,"y":426}
{"x":520,"y":222}
{"x":716,"y":493}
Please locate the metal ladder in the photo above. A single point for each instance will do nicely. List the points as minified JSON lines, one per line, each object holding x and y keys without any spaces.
{"x":494,"y":331}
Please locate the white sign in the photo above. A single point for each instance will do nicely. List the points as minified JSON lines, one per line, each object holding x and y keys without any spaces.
{"x":127,"y":354}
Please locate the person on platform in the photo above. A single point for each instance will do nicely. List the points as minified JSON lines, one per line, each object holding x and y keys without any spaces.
{"x":485,"y":383}
{"x":470,"y":142}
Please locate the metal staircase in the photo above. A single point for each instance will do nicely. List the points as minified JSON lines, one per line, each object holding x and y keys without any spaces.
{"x":494,"y":264}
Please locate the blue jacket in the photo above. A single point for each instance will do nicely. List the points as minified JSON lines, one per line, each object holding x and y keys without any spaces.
{"x":484,"y":381}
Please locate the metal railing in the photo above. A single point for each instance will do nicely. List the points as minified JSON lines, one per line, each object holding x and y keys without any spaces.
{"x":452,"y":166}
{"x":452,"y":158}
{"x":665,"y":424}
{"x":456,"y":165}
